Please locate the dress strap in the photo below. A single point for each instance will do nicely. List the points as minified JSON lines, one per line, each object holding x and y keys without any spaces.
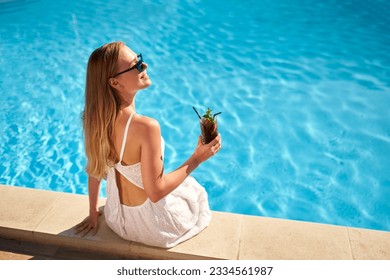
{"x":125,"y":137}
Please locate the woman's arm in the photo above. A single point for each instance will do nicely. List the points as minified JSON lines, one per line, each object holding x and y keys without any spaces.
{"x":91,"y":222}
{"x":156,"y":183}
{"x":93,"y":192}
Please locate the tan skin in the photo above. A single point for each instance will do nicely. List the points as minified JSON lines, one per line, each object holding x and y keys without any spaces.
{"x":143,"y":145}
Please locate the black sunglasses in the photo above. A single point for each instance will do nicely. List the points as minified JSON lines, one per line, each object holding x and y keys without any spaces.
{"x":138,"y":65}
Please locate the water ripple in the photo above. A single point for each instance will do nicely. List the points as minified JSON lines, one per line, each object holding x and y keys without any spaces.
{"x":303,"y":91}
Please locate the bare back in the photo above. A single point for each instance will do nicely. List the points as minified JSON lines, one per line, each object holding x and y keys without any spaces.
{"x":129,"y":194}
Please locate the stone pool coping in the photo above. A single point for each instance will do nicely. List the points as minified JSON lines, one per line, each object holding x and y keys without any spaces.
{"x":47,"y":217}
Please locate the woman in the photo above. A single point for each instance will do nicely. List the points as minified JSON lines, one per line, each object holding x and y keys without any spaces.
{"x":149,"y":207}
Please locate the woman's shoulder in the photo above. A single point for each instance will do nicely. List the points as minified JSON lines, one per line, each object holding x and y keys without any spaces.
{"x":144,"y":124}
{"x":145,"y":121}
{"x":137,"y":119}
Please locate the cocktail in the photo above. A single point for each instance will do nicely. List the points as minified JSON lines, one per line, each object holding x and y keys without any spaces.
{"x":208,"y":125}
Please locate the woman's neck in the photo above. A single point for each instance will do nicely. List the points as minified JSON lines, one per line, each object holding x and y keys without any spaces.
{"x":128,"y":104}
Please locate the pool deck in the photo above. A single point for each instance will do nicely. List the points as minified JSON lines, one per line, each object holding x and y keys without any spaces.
{"x":45,"y":219}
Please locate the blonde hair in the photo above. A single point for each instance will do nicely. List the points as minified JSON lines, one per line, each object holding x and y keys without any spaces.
{"x":102,"y":104}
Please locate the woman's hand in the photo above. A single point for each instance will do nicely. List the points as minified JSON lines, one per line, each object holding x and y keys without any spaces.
{"x":204,"y":151}
{"x":89,"y":223}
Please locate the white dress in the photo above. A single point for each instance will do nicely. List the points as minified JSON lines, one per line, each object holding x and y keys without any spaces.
{"x":175,"y":218}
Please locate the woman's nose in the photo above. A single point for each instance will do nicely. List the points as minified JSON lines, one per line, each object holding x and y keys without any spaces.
{"x":144,"y":66}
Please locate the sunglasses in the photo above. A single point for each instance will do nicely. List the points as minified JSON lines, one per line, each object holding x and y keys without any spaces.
{"x":138,"y":66}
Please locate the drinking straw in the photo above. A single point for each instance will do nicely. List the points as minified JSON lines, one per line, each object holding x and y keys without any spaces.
{"x":197,"y":113}
{"x":216,"y":114}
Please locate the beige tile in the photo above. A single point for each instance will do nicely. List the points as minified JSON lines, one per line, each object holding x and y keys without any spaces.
{"x":220,"y":240}
{"x":14,"y":256}
{"x":58,"y":227}
{"x":265,"y":238}
{"x":23,"y":208}
{"x":4,"y":189}
{"x":68,"y":211}
{"x":369,"y":244}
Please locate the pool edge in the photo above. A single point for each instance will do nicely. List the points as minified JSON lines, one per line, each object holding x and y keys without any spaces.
{"x":47,"y":217}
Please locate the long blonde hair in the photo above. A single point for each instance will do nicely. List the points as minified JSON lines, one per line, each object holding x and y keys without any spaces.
{"x":102,"y":104}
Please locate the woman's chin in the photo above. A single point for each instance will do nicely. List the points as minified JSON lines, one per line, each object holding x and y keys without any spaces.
{"x":146,"y":82}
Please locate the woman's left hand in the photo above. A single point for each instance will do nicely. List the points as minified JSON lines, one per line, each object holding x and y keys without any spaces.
{"x":89,"y":223}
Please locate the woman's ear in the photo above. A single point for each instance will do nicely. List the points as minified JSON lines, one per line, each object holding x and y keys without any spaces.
{"x":113,"y":82}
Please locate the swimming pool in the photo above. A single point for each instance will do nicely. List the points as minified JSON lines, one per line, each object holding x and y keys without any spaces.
{"x":303,"y":86}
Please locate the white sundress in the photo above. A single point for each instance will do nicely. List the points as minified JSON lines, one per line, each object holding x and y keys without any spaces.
{"x":175,"y":218}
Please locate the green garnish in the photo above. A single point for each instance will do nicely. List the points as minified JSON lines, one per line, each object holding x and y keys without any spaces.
{"x":208,"y":115}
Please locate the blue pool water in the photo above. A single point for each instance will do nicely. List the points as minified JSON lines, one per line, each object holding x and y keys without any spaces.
{"x":303,"y":86}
